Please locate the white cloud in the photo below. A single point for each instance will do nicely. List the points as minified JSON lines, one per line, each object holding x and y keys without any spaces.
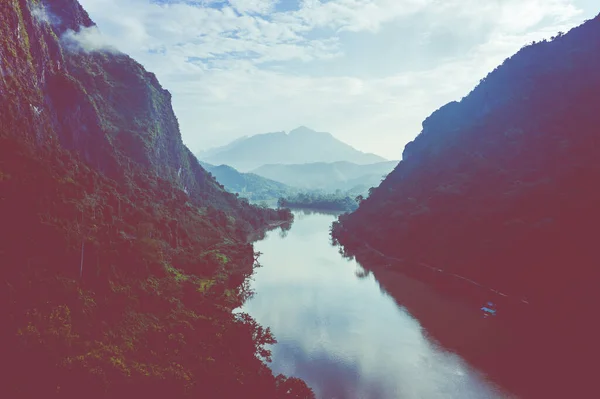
{"x":369,"y":71}
{"x":352,"y":15}
{"x":41,"y":13}
{"x":254,"y":6}
{"x":87,"y":39}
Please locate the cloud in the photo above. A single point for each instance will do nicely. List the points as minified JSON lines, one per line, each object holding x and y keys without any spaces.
{"x":369,"y":71}
{"x":254,"y":6}
{"x":87,"y":39}
{"x":41,"y":13}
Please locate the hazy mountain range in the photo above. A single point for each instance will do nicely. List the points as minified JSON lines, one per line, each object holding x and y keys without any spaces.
{"x":248,"y":185}
{"x":301,"y":145}
{"x":328,"y":176}
{"x":270,"y":182}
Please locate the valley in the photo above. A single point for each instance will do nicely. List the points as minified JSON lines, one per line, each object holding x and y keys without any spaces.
{"x":320,"y":185}
{"x":136,"y":262}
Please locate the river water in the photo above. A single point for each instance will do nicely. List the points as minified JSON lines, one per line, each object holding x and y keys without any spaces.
{"x":342,"y":333}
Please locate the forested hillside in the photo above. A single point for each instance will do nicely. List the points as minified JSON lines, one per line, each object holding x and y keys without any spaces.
{"x":248,"y":185}
{"x":122,"y":258}
{"x":500,"y":188}
{"x":320,"y":201}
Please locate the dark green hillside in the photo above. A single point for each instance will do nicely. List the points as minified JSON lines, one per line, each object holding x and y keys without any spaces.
{"x":499,"y":191}
{"x":320,"y":201}
{"x":121,"y":257}
{"x":248,"y":185}
{"x":113,"y":291}
{"x":501,"y":186}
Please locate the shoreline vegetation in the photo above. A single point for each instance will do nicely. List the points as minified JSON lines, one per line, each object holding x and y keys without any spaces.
{"x":374,"y":258}
{"x":260,"y":234}
{"x":319,"y":201}
{"x":98,"y":284}
{"x":521,"y":329}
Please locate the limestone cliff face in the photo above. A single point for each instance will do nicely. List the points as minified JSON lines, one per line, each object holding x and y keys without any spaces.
{"x":114,"y":241}
{"x":98,"y":102}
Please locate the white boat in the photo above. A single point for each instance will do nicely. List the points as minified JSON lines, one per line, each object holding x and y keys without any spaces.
{"x":489,"y":309}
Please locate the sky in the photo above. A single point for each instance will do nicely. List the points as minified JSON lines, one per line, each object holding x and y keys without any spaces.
{"x":367,"y":71}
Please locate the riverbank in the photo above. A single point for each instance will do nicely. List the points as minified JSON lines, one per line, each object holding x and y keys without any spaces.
{"x":342,"y":334}
{"x":535,"y":351}
{"x":259,"y":234}
{"x":436,"y":276}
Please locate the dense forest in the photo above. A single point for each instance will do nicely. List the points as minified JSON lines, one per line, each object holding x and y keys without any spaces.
{"x":113,"y":292}
{"x":263,"y":191}
{"x":319,"y":200}
{"x":248,"y":185}
{"x":499,"y":191}
{"x":122,"y":258}
{"x":500,"y":187}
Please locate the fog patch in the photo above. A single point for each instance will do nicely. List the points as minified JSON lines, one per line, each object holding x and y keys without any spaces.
{"x":87,"y":40}
{"x":41,"y":14}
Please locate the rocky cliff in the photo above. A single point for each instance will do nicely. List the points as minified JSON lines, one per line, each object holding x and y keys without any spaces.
{"x":122,"y":258}
{"x":93,"y":99}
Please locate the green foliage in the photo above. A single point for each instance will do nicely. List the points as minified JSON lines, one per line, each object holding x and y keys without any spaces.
{"x":122,"y":258}
{"x":318,"y":200}
{"x":248,"y":185}
{"x":501,"y":187}
{"x":152,"y":312}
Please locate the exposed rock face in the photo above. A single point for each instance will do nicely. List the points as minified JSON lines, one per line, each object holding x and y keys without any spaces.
{"x":121,"y":258}
{"x":98,"y":102}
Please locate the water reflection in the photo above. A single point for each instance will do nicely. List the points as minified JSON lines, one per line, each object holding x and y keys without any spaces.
{"x":340,"y":332}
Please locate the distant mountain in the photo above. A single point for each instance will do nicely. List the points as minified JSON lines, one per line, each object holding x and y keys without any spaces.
{"x":248,"y":185}
{"x":217,"y":150}
{"x":301,"y":145}
{"x":328,"y":176}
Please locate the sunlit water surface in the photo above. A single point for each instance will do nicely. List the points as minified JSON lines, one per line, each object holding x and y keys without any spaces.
{"x":339,"y":332}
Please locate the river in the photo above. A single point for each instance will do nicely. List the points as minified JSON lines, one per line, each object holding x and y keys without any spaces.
{"x":342,"y":333}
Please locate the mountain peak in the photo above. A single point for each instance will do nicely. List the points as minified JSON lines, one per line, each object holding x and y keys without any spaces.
{"x":301,"y":145}
{"x":302,"y":130}
{"x":66,"y":14}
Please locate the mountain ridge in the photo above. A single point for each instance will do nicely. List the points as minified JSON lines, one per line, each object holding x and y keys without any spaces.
{"x":329,"y":176}
{"x":524,"y":145}
{"x":301,"y":145}
{"x":496,"y":200}
{"x":248,"y":185}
